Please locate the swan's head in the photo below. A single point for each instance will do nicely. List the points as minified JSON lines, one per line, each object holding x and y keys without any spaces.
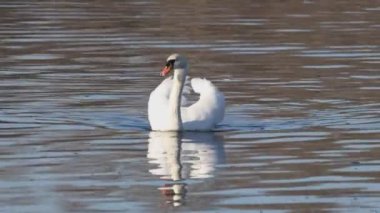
{"x":174,"y":61}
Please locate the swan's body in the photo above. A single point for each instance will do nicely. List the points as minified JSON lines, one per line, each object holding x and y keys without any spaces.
{"x":166,"y":110}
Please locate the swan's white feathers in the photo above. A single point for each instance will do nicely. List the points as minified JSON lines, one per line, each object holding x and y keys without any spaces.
{"x":201,"y":84}
{"x":162,"y":91}
{"x":159,"y":102}
{"x":207,"y":111}
{"x":202,"y":115}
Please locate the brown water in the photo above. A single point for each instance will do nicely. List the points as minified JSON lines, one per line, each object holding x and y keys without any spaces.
{"x":302,"y":126}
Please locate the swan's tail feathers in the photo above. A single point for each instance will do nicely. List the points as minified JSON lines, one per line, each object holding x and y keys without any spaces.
{"x":201,"y":85}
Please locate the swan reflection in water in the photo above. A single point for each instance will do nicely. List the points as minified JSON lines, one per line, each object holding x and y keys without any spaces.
{"x":183,"y":155}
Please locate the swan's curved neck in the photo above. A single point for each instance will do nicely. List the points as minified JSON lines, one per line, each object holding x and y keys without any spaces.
{"x":175,"y":99}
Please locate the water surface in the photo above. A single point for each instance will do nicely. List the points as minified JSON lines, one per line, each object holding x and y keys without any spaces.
{"x":301,"y":131}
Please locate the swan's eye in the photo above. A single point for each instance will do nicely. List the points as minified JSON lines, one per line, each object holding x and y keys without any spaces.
{"x":170,"y":63}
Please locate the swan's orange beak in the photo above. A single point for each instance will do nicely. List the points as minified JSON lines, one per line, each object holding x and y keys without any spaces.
{"x":168,"y":67}
{"x":166,"y":70}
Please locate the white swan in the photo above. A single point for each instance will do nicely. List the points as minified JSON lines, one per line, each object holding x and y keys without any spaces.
{"x":166,"y":110}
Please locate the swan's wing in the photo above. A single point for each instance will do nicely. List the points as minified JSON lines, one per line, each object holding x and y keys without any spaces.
{"x":208,"y":110}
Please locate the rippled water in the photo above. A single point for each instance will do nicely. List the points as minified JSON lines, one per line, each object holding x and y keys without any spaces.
{"x":302,"y":127}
